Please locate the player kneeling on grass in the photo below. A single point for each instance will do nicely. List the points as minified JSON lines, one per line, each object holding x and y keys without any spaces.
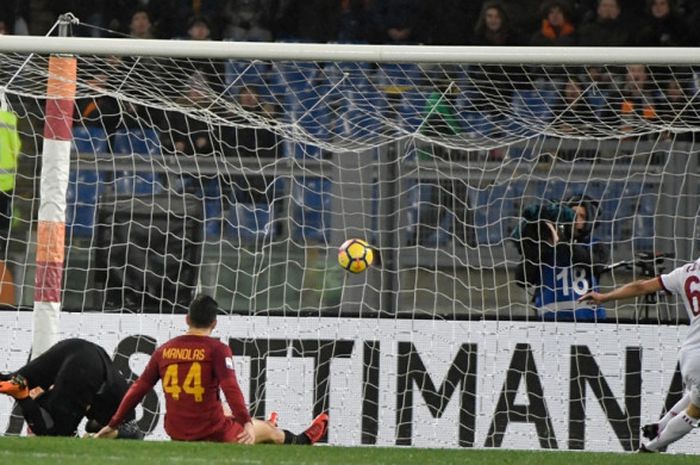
{"x":682,"y":417}
{"x":73,"y":379}
{"x":193,"y":367}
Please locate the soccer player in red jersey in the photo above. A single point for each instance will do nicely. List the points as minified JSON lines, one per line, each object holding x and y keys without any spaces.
{"x":193,"y":367}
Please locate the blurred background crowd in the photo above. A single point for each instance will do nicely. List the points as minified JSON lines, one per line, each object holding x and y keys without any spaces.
{"x":443,"y":22}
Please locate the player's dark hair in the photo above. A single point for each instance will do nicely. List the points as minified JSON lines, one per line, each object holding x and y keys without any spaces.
{"x":203,"y":310}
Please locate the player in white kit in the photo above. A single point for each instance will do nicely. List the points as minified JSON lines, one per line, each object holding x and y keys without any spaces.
{"x":682,"y":417}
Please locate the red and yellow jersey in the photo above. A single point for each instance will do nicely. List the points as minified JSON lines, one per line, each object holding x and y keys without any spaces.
{"x":192,"y":370}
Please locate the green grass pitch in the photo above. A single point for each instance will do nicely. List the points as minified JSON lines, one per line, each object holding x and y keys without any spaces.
{"x":67,"y":451}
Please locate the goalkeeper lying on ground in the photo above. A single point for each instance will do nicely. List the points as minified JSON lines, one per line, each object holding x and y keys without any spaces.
{"x":73,"y":379}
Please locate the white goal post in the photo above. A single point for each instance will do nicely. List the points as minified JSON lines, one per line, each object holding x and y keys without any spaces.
{"x":237,"y":169}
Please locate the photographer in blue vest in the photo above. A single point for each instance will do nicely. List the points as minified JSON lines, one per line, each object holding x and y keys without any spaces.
{"x":559,"y":260}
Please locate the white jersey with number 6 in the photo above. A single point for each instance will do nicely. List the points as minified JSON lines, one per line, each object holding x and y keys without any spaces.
{"x":685,"y":282}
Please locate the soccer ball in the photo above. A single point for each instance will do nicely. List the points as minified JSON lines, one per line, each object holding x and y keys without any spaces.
{"x":355,"y":255}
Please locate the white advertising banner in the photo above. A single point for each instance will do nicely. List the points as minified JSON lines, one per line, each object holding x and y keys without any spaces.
{"x":416,"y":382}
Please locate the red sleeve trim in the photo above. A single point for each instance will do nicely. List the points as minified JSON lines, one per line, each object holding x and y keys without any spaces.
{"x":663,"y":286}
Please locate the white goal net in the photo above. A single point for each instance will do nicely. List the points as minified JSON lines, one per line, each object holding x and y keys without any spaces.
{"x":239,"y":177}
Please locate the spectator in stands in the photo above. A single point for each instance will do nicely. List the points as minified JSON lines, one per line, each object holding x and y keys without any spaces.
{"x":308,"y":20}
{"x":198,"y":28}
{"x":662,"y":27}
{"x":245,"y":21}
{"x":171,"y":18}
{"x":399,"y":21}
{"x":211,"y":70}
{"x":186,"y":136}
{"x":356,"y":21}
{"x":15,"y":17}
{"x":140,"y":26}
{"x":524,"y":16}
{"x":557,"y":28}
{"x":679,"y":107}
{"x":599,"y":79}
{"x":493,"y":26}
{"x":608,"y":28}
{"x":446,"y":20}
{"x":495,"y":84}
{"x":639,"y":97}
{"x":575,"y":111}
{"x":692,"y":13}
{"x":100,"y":111}
{"x":190,"y":136}
{"x":248,"y":145}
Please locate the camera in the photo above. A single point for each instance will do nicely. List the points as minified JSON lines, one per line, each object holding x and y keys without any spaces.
{"x":651,"y":263}
{"x":534,"y":218}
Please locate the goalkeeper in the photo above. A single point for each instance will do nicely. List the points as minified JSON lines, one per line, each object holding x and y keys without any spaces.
{"x":73,"y":379}
{"x":559,"y":259}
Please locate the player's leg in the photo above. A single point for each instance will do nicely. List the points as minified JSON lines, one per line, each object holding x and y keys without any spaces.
{"x":269,"y":432}
{"x":683,"y":423}
{"x":39,"y":420}
{"x":651,"y":430}
{"x":676,"y":428}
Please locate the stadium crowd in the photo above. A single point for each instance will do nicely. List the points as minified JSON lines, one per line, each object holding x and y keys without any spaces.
{"x":581,"y":101}
{"x":578,"y":96}
{"x":447,"y":22}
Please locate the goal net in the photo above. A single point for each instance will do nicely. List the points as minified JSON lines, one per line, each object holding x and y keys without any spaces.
{"x":238,"y":170}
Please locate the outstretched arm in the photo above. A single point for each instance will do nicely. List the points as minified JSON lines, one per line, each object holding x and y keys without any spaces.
{"x":133,"y":396}
{"x":633,"y":289}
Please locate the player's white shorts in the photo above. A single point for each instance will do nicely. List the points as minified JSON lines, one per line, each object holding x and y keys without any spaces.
{"x":690,"y":369}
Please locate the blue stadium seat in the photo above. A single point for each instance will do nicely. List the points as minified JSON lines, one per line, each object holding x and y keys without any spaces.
{"x":244,"y":73}
{"x":532,"y":108}
{"x":142,"y":144}
{"x":643,"y":231}
{"x":413,"y":109}
{"x":310,"y":109}
{"x":348,"y":76}
{"x":212,"y":208}
{"x":129,"y":183}
{"x":361,"y":114}
{"x":84,"y":188}
{"x":406,"y":75}
{"x":85,"y":184}
{"x":297,"y":76}
{"x":312,"y":208}
{"x":490,"y":214}
{"x":90,"y":139}
{"x":137,"y":142}
{"x":610,"y":222}
{"x":249,"y":222}
{"x":555,"y":190}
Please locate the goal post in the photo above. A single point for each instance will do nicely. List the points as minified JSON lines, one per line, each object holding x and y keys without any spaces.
{"x":237,"y":169}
